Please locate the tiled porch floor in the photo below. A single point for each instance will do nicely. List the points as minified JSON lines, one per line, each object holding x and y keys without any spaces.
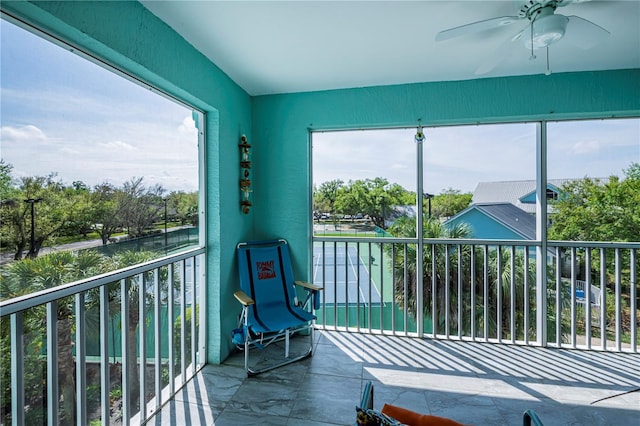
{"x":473,"y":383}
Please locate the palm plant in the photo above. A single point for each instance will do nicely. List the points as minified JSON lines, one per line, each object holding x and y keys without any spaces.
{"x":447,"y":281}
{"x":137,"y":286}
{"x":29,"y":276}
{"x":509,"y":286}
{"x":444,"y":302}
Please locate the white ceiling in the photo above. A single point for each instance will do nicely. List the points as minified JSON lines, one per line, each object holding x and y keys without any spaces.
{"x":292,"y":46}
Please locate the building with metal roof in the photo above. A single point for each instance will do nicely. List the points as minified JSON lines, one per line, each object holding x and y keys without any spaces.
{"x":497,"y":221}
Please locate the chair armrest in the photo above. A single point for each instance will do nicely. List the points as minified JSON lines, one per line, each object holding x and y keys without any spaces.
{"x":308,"y":285}
{"x":243,"y":298}
{"x":531,"y":418}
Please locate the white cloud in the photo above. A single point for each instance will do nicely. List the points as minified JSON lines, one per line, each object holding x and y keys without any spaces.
{"x":188,"y":126}
{"x":118,"y":145}
{"x":71,"y":151}
{"x":28,"y":133}
{"x":399,"y":166}
{"x":586,"y":147}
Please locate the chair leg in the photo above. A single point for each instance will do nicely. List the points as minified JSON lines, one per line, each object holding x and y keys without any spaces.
{"x":286,"y":343}
{"x":313,"y":340}
{"x":246,"y":344}
{"x":246,"y":354}
{"x":288,"y":360}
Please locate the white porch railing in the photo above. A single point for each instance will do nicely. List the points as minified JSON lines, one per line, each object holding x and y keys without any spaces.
{"x":111,"y":349}
{"x":481,"y":290}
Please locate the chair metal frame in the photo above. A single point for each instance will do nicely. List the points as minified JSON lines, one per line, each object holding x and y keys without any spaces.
{"x":252,"y":331}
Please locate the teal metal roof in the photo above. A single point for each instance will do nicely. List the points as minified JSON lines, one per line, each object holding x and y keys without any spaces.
{"x":492,"y":220}
{"x":513,"y":192}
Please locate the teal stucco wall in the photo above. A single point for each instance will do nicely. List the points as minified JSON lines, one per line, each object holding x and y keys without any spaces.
{"x":281,"y":126}
{"x":128,"y":36}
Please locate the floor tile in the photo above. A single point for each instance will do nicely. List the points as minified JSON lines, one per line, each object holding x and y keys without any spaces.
{"x":473,"y":383}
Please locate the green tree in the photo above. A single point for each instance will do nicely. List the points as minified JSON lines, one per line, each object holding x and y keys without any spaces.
{"x":373,"y":197}
{"x":591,"y":210}
{"x":140,"y":206}
{"x":106,"y":212}
{"x":183,"y":206}
{"x":6,"y":189}
{"x":449,"y":203}
{"x":55,"y":208}
{"x":325,"y":196}
{"x":9,"y":213}
{"x":81,"y":223}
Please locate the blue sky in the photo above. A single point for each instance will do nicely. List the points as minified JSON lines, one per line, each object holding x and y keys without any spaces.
{"x":62,"y":113}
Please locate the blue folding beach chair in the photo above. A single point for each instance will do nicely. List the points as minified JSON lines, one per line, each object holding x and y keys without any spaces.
{"x":271,"y":311}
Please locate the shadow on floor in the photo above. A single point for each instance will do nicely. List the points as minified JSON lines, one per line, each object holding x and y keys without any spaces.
{"x":473,"y":383}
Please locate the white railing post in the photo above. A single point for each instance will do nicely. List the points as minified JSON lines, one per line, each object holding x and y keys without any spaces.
{"x":406,"y":290}
{"x":460,"y":320}
{"x":157,"y":337}
{"x":124,"y":337}
{"x":526,"y":284}
{"x":142,"y":342}
{"x":618,"y":296}
{"x":633,"y":283}
{"x":105,"y":370}
{"x":512,"y":295}
{"x":486,"y":293}
{"x":194,"y":316}
{"x":17,"y":369}
{"x":202,"y":297}
{"x":558,"y":280}
{"x":183,"y":322}
{"x":541,"y":233}
{"x":588,"y":301}
{"x":447,"y":291}
{"x":419,"y":138}
{"x":499,"y":290}
{"x":573,"y":297}
{"x":52,"y":363}
{"x":603,"y":293}
{"x":81,"y":360}
{"x":472,"y":265}
{"x":171,"y":337}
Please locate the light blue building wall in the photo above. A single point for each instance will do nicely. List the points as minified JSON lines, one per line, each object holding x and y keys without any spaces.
{"x":127,"y":35}
{"x":484,"y":227}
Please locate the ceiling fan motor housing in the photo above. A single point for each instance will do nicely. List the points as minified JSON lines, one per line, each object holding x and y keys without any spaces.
{"x":546,"y":26}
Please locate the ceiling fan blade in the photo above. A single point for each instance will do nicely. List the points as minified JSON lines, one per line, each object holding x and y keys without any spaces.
{"x":494,"y":58}
{"x":584,"y":34}
{"x":475,"y":27}
{"x":499,"y":54}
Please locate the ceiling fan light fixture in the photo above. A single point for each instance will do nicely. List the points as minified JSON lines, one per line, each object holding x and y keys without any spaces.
{"x":546,"y":30}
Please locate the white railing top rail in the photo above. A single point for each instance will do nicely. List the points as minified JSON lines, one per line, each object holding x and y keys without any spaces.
{"x":21,"y":303}
{"x":463,"y":241}
{"x":491,"y":242}
{"x":595,"y":244}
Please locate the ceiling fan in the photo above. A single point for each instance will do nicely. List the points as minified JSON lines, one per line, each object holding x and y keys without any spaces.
{"x":538,"y":27}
